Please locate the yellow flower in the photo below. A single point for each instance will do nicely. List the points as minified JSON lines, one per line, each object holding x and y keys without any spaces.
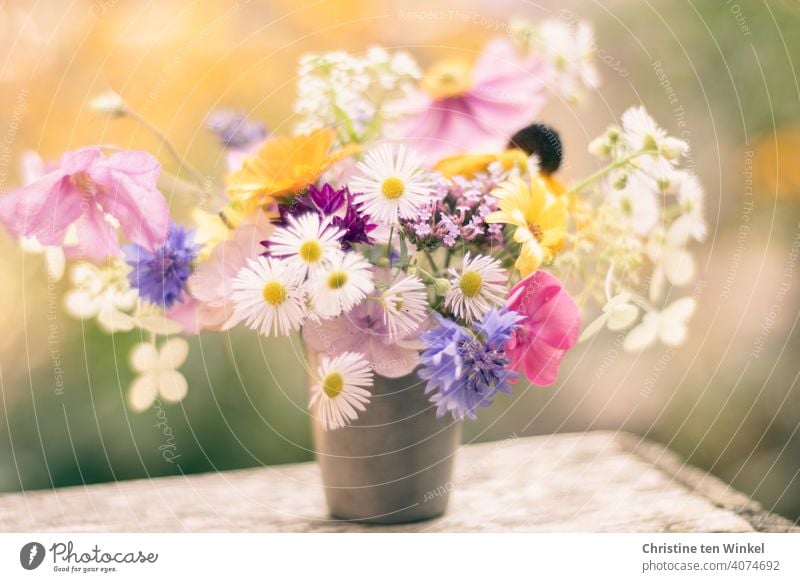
{"x":468,"y":165}
{"x":284,"y":166}
{"x":209,"y":231}
{"x":540,"y":218}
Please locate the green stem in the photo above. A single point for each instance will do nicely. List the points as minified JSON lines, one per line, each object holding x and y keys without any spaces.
{"x":182,"y":163}
{"x":389,"y":245}
{"x":602,"y":172}
{"x":431,"y":261}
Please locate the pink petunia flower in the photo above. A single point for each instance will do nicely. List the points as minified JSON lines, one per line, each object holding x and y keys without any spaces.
{"x":211,"y":307}
{"x":550,"y":328}
{"x":94,"y":193}
{"x":477,"y":109}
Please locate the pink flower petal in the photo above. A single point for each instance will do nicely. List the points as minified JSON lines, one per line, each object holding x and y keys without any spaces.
{"x":551,"y":327}
{"x":131,"y":196}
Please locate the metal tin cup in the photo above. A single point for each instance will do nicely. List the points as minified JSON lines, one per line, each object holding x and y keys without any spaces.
{"x":394,"y":464}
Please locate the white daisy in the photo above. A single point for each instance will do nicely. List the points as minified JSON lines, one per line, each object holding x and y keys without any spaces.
{"x":405,"y":305}
{"x":341,"y":285}
{"x":477,"y":288}
{"x":306,"y":241}
{"x":267,"y":295}
{"x":641,"y":132}
{"x":342,"y":389}
{"x":392,"y":187}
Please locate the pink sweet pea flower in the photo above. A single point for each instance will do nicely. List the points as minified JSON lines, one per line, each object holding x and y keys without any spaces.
{"x":88,"y":190}
{"x":477,"y":110}
{"x":550,"y":328}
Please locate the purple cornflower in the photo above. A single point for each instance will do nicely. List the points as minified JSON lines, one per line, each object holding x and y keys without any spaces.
{"x":161,"y":275}
{"x":340,"y":205}
{"x":466,"y":368}
{"x":234,"y":130}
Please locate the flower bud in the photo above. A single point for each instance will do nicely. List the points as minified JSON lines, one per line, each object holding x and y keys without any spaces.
{"x":442,"y":286}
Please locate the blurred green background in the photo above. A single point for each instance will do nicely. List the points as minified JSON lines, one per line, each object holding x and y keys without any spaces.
{"x":728,"y":401}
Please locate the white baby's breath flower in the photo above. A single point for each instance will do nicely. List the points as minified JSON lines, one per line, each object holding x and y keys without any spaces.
{"x":405,"y":306}
{"x":476,"y":288}
{"x":667,"y":326}
{"x":342,"y":389}
{"x":158,"y":375}
{"x":267,"y":296}
{"x":391,"y":187}
{"x":341,"y":285}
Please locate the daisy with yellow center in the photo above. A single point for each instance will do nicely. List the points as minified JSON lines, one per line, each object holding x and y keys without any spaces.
{"x":540,"y":219}
{"x":284,"y":166}
{"x":476,"y":288}
{"x":342,"y":389}
{"x":341,"y":285}
{"x":268,"y":296}
{"x":308,"y":241}
{"x":405,"y":305}
{"x":391,"y":187}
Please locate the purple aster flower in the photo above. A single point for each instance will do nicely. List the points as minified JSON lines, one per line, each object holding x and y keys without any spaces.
{"x":356,"y":226}
{"x":327,"y":199}
{"x":234,"y":130}
{"x":161,"y":275}
{"x":340,"y":205}
{"x":466,"y":368}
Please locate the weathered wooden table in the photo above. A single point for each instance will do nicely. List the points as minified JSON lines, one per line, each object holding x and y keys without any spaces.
{"x":592,"y":482}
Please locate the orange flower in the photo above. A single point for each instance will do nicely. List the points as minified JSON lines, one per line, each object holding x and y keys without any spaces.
{"x":468,"y":165}
{"x":283,"y":166}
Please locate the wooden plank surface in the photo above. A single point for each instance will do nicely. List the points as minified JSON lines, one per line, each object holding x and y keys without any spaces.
{"x":591,"y":482}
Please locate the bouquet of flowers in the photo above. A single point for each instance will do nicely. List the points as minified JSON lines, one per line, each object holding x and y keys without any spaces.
{"x":414,"y":223}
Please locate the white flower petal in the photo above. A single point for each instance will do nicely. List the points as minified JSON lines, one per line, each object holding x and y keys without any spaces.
{"x":173,"y":353}
{"x":113,"y":321}
{"x":679,"y":267}
{"x":172,"y":385}
{"x":143,"y":392}
{"x":622,"y":316}
{"x":593,"y":327}
{"x":643,"y":335}
{"x":159,"y":324}
{"x":144,"y":357}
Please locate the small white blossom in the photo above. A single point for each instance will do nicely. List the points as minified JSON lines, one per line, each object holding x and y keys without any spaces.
{"x":671,"y":261}
{"x":618,"y":314}
{"x":667,"y":326}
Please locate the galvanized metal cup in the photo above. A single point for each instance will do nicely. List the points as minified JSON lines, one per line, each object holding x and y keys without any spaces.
{"x":395,"y":463}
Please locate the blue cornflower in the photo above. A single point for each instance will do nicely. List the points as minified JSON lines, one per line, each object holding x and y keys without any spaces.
{"x":161,"y":275}
{"x":234,"y":130}
{"x":466,"y":368}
